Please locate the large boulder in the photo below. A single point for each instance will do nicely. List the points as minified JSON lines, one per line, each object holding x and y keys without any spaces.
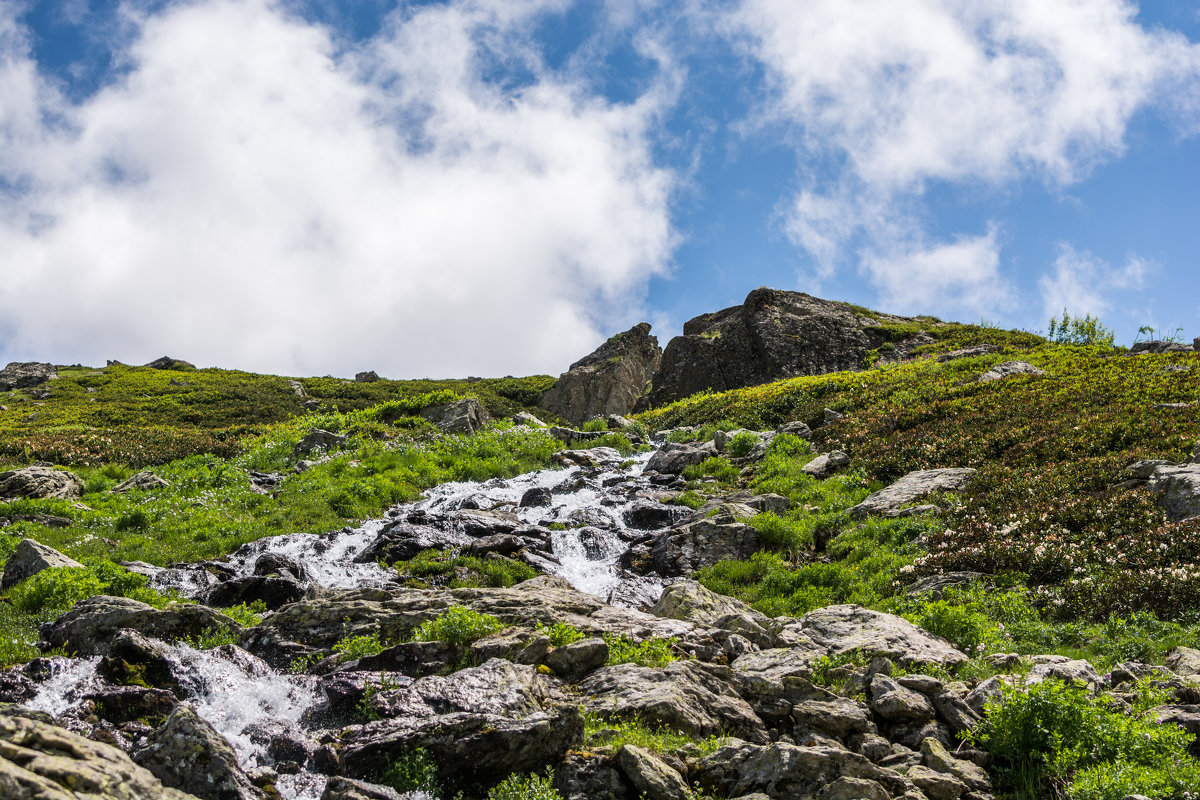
{"x":891,"y":500}
{"x":39,"y":483}
{"x":785,"y":771}
{"x":143,"y":480}
{"x":29,"y":559}
{"x":40,"y":761}
{"x":186,"y":752}
{"x":25,"y":374}
{"x":498,"y":687}
{"x":1178,"y":488}
{"x":772,"y":335}
{"x":687,"y":548}
{"x":89,"y":628}
{"x":846,"y":628}
{"x":461,"y":416}
{"x":609,"y":380}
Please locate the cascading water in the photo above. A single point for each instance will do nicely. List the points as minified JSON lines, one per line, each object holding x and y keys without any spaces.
{"x":236,"y":692}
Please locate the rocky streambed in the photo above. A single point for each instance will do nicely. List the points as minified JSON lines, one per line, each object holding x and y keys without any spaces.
{"x":286,"y":709}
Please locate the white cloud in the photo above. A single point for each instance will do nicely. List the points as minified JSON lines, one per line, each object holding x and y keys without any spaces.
{"x":247,"y":195}
{"x":1084,"y":284}
{"x":886,"y":99}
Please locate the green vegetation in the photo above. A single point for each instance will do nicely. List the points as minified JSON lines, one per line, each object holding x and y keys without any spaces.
{"x":561,"y":634}
{"x":525,"y":787}
{"x":350,"y":648}
{"x":443,"y":568}
{"x":649,"y":653}
{"x":412,"y":771}
{"x":613,"y":733}
{"x":457,"y":626}
{"x":1086,"y":330}
{"x":1056,"y":734}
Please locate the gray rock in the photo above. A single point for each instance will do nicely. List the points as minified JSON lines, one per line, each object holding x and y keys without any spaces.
{"x":461,"y":416}
{"x":890,"y":500}
{"x":650,"y":775}
{"x":577,"y":659}
{"x":785,"y":771}
{"x":893,"y":702}
{"x":525,"y":418}
{"x":39,"y":483}
{"x":687,"y":696}
{"x":590,"y":457}
{"x":1009,"y":368}
{"x":1178,"y":487}
{"x":472,"y":752}
{"x":844,"y":628}
{"x":187,"y":753}
{"x":772,"y":335}
{"x":340,"y":788}
{"x":688,"y":600}
{"x":968,"y":352}
{"x":608,"y":381}
{"x":29,"y":559}
{"x":499,"y":688}
{"x":839,"y":717}
{"x":369,"y":376}
{"x":40,"y":761}
{"x":402,"y":542}
{"x":297,"y":388}
{"x":938,"y":758}
{"x":90,"y":627}
{"x":1063,"y":669}
{"x":854,"y":789}
{"x":1184,"y":662}
{"x":795,"y":428}
{"x":143,"y":480}
{"x":1185,"y":716}
{"x":826,"y":464}
{"x":988,"y":691}
{"x":319,"y":440}
{"x":166,"y":362}
{"x":955,"y":712}
{"x":936,"y":785}
{"x":674,"y":457}
{"x":687,"y":548}
{"x":646,"y":515}
{"x":1158,"y":346}
{"x":590,"y":776}
{"x":25,"y":375}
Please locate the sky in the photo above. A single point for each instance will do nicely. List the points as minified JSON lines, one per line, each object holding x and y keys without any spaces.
{"x":492,"y":187}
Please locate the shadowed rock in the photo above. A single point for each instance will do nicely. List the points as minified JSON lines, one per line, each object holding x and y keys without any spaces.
{"x":609,"y":380}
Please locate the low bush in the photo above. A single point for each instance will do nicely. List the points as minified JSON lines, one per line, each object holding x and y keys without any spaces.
{"x":350,"y":648}
{"x":458,"y":626}
{"x":60,"y":588}
{"x":525,"y":787}
{"x":561,"y":634}
{"x":651,"y":652}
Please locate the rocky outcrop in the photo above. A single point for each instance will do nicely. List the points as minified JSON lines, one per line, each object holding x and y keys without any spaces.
{"x":845,"y":628}
{"x":40,"y":483}
{"x":166,"y":362}
{"x":1178,"y":489}
{"x":29,"y":559}
{"x":318,"y":441}
{"x":41,"y":761}
{"x":25,"y":374}
{"x":461,"y":416}
{"x":186,"y":753}
{"x":673,"y":458}
{"x":143,"y":480}
{"x":891,"y":501}
{"x":89,"y":628}
{"x":772,"y":335}
{"x":609,"y":381}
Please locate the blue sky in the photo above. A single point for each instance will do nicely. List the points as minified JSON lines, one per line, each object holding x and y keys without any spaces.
{"x":494,"y":186}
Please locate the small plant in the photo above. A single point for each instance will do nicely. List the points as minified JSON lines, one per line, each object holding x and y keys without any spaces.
{"x":457,"y":626}
{"x":595,"y":425}
{"x":714,"y":467}
{"x":301,"y":664}
{"x":247,"y":615}
{"x":741,"y":444}
{"x":561,"y":634}
{"x":1153,"y":334}
{"x":411,"y":771}
{"x":615,"y":732}
{"x":350,"y":648}
{"x":525,"y":787}
{"x":213,"y":637}
{"x":649,"y":653}
{"x":1079,"y":330}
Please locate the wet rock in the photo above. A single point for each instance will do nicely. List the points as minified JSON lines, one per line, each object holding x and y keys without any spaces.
{"x":890,"y":501}
{"x":39,"y":483}
{"x":91,"y":626}
{"x":461,"y":416}
{"x":30,"y":558}
{"x":537,"y":497}
{"x":279,"y":564}
{"x":143,"y":480}
{"x":688,"y":696}
{"x":471,"y":751}
{"x":402,"y":542}
{"x":25,"y":375}
{"x":590,"y":457}
{"x":339,"y":788}
{"x":687,"y":548}
{"x":591,"y":517}
{"x":1009,"y":368}
{"x":268,"y":482}
{"x":123,"y":704}
{"x":415,"y":659}
{"x":274,"y":591}
{"x":503,"y":543}
{"x":40,"y":761}
{"x":587,"y":776}
{"x":784,"y":771}
{"x":133,"y":659}
{"x":650,"y":775}
{"x":607,"y":381}
{"x":498,"y":688}
{"x":844,"y":628}
{"x":16,"y":686}
{"x":187,"y":753}
{"x":826,"y":464}
{"x":1178,"y":488}
{"x":645,"y":515}
{"x":673,"y":458}
{"x":893,"y":702}
{"x":318,"y":440}
{"x":345,"y":689}
{"x":688,"y":600}
{"x":577,"y":659}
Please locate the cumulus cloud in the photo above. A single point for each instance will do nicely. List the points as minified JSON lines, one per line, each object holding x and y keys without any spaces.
{"x":434,"y":201}
{"x":886,"y":100}
{"x":1084,"y":284}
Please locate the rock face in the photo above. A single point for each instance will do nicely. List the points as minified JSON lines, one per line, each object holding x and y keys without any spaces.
{"x":609,"y":381}
{"x":461,"y":416}
{"x":891,"y":500}
{"x":772,"y":335}
{"x":24,"y":374}
{"x":29,"y":559}
{"x":40,"y":761}
{"x":1179,"y":489}
{"x":41,"y":483}
{"x":848,"y":627}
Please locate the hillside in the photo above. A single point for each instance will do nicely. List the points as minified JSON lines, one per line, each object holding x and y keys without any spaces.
{"x":1037,"y":593}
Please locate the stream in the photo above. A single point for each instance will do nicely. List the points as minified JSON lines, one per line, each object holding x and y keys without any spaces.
{"x":585,"y":520}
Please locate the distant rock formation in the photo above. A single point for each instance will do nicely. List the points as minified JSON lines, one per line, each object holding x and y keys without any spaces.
{"x":609,"y":380}
{"x":166,"y":362}
{"x":24,"y":374}
{"x":772,"y":335}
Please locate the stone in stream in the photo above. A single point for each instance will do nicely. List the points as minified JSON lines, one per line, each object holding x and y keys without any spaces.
{"x":41,"y":761}
{"x":498,"y":687}
{"x":687,"y":548}
{"x":187,"y":753}
{"x":30,"y":558}
{"x":39,"y":483}
{"x":90,"y":627}
{"x":404,"y":540}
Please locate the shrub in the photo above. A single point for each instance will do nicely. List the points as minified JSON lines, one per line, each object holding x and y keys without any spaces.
{"x":457,"y":626}
{"x":246,"y":615}
{"x":741,"y":444}
{"x":61,"y":588}
{"x":561,"y":634}
{"x":525,"y":787}
{"x":594,"y":425}
{"x":779,"y":533}
{"x":350,"y":648}
{"x":652,"y":652}
{"x":411,"y":771}
{"x":1086,"y":330}
{"x":714,"y":467}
